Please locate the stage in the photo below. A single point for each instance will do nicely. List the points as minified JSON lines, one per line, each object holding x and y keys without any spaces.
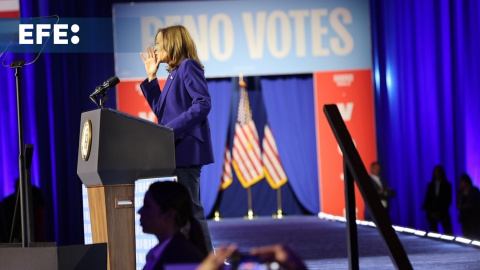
{"x":322,"y":243}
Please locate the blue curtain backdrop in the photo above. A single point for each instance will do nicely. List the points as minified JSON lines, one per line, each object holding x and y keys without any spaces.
{"x":219,"y":117}
{"x":426,"y":66}
{"x":290,"y":108}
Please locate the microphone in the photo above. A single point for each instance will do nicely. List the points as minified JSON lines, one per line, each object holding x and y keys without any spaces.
{"x":101,"y":89}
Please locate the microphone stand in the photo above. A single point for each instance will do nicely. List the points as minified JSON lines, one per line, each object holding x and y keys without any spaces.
{"x":103,"y":98}
{"x":24,"y":185}
{"x":101,"y":91}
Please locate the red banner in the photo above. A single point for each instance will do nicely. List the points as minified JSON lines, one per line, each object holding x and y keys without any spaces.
{"x":353,"y":93}
{"x":130,"y":99}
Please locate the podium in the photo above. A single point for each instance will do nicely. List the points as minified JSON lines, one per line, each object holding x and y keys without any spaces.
{"x":116,"y":149}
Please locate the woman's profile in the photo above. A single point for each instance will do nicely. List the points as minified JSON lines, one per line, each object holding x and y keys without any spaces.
{"x":166,"y":211}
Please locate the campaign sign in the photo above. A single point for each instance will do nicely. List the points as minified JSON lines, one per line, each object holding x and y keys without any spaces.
{"x":352,"y":92}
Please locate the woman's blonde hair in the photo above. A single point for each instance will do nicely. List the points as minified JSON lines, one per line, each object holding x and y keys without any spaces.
{"x":178,"y":44}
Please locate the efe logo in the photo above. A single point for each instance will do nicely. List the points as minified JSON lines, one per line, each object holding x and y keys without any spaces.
{"x":43,"y":30}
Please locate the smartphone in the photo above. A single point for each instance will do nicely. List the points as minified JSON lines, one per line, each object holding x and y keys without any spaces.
{"x":244,"y":261}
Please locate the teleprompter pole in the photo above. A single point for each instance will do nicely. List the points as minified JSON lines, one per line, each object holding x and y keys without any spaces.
{"x":24,"y":185}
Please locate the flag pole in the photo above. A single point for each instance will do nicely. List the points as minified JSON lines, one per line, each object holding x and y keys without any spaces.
{"x":244,"y":119}
{"x":216,"y":215}
{"x":279,"y":213}
{"x":250,"y":214}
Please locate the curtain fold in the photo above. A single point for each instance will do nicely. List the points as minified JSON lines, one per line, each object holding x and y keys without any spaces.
{"x":8,"y":132}
{"x":289,"y":104}
{"x":219,"y":117}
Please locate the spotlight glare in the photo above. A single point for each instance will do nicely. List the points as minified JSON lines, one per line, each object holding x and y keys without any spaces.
{"x":420,"y":233}
{"x":475,"y":243}
{"x":342,"y":219}
{"x":398,"y":228}
{"x":463,"y":240}
{"x":434,"y":235}
{"x":364,"y":222}
{"x":447,"y":237}
{"x":325,"y":216}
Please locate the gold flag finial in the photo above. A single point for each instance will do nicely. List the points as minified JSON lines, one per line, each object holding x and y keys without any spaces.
{"x":240,"y":81}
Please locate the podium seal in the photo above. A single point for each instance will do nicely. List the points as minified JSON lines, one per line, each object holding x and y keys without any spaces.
{"x":86,"y":139}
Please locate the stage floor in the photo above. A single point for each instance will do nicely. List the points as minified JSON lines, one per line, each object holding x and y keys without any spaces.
{"x":322,"y":244}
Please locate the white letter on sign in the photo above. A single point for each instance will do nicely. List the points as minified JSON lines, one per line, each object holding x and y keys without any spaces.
{"x":285,"y":33}
{"x":199,"y":34}
{"x":228,"y":35}
{"x":341,"y":31}
{"x":255,"y":39}
{"x":299,"y":24}
{"x":346,"y":111}
{"x":318,"y":31}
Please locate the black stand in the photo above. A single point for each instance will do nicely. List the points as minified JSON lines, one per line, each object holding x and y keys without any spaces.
{"x":25,"y":187}
{"x":352,"y":236}
{"x":354,"y":171}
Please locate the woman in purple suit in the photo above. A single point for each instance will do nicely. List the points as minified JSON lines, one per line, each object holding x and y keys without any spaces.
{"x":183,"y":105}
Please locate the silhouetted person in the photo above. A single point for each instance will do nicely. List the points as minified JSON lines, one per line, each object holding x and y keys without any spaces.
{"x":384,"y":191}
{"x":9,"y":204}
{"x":468,"y":202}
{"x":167,"y":213}
{"x":438,"y":200}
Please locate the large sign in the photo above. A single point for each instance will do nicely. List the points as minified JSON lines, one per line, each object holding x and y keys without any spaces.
{"x":352,"y":92}
{"x":251,"y":37}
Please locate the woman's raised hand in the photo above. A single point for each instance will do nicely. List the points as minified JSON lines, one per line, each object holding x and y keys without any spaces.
{"x":151,"y":63}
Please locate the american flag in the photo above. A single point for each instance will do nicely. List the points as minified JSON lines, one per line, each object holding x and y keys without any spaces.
{"x":247,"y":160}
{"x":274,"y":171}
{"x":227,"y":178}
{"x":9,"y":9}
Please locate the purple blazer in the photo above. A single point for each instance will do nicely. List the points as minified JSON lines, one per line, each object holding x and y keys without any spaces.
{"x":183,"y":105}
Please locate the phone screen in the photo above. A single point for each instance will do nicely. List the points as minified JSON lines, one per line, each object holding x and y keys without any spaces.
{"x":248,"y":262}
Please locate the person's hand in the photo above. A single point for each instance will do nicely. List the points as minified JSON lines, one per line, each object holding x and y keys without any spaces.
{"x":151,"y":63}
{"x":215,"y":260}
{"x":281,"y":254}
